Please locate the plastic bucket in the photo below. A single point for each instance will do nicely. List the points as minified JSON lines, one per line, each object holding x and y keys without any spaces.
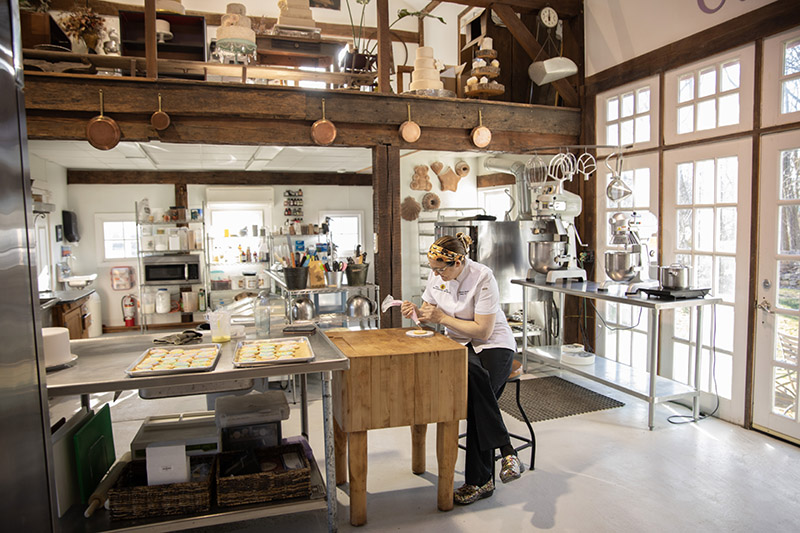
{"x":357,"y":274}
{"x":296,"y":278}
{"x":333,"y":279}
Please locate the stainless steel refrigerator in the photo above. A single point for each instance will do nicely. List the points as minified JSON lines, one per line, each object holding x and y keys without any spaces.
{"x":25,"y":490}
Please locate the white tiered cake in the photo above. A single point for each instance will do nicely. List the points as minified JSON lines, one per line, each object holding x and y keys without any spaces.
{"x":236,"y":25}
{"x":295,"y":14}
{"x":425,"y":74}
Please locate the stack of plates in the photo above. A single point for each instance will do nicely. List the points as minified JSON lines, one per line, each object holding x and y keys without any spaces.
{"x":574,"y":354}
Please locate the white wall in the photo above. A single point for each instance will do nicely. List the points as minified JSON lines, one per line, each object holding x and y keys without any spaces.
{"x":619,"y":30}
{"x":51,"y":180}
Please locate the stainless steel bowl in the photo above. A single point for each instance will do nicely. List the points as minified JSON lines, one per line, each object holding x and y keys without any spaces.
{"x":303,"y":309}
{"x":675,"y":276}
{"x":359,"y":307}
{"x":542,"y":255}
{"x":622,"y":265}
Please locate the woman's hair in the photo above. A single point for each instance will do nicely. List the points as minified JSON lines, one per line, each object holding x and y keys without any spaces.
{"x":450,"y":249}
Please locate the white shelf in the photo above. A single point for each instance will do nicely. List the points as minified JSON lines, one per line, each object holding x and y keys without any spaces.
{"x":616,"y":375}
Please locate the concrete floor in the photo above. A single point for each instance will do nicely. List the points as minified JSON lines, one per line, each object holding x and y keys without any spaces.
{"x":598,"y":472}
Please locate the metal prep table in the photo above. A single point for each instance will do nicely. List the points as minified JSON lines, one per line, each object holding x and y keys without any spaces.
{"x":648,"y":386}
{"x":100,"y":367}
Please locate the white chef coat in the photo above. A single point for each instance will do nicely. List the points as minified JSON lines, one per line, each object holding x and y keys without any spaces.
{"x":473,"y":291}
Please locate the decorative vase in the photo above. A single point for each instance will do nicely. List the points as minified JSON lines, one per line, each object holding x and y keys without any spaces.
{"x":79,"y":46}
{"x":91,"y":41}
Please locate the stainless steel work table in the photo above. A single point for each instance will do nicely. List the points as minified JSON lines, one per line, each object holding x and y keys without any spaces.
{"x":648,"y":386}
{"x":101,"y":365}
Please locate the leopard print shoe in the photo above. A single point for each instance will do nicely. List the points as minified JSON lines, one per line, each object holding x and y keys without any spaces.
{"x":467,"y":494}
{"x":511,"y":468}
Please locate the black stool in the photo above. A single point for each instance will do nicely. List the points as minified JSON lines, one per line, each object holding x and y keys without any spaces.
{"x":514,"y":377}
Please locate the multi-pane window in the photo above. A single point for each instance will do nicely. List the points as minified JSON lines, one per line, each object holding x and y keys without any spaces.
{"x":628,"y":117}
{"x":119,"y":239}
{"x":709,"y":98}
{"x":790,"y":78}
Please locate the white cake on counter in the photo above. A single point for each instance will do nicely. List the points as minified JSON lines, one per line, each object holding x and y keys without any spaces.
{"x":236,"y":25}
{"x":295,"y":14}
{"x":425,"y":74}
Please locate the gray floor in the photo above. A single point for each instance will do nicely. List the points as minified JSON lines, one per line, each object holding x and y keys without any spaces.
{"x":598,"y":472}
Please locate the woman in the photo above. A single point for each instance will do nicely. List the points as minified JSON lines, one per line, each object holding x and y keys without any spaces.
{"x":462,"y":296}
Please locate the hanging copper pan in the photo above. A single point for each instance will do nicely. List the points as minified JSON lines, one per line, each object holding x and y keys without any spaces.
{"x":159,"y":120}
{"x":323,"y":131}
{"x":481,"y":135}
{"x":410,"y":130}
{"x":102,"y":132}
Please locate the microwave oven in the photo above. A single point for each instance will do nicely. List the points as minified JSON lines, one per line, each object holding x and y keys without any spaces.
{"x":180,"y":269}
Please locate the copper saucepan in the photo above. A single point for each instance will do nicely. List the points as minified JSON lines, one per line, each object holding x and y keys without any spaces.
{"x":102,"y":132}
{"x":481,"y":135}
{"x":410,"y":130}
{"x":323,"y":131}
{"x":159,"y":120}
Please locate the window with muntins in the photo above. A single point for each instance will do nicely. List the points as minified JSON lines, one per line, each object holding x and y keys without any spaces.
{"x":627,"y":115}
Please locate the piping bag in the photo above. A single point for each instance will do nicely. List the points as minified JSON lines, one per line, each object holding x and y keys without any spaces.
{"x":389,"y":301}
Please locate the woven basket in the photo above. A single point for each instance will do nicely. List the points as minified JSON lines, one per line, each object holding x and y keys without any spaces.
{"x":279,"y":484}
{"x":131,"y":497}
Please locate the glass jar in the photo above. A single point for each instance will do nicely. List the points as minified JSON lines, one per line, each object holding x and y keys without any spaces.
{"x":148,"y":303}
{"x":162,"y":301}
{"x":261,"y":314}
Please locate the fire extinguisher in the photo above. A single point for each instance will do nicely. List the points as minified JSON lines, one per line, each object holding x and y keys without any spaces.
{"x":129,"y":309}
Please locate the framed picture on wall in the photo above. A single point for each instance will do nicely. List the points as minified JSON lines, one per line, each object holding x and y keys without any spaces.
{"x":327,"y":4}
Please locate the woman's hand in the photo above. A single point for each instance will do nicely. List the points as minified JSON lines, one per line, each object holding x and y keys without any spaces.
{"x":407,"y":309}
{"x":431,"y":314}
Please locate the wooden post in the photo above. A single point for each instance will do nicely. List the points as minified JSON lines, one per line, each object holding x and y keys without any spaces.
{"x":446,"y":453}
{"x":150,"y":50}
{"x":386,"y":205}
{"x":418,"y":432}
{"x":384,"y":47}
{"x":358,"y":478}
{"x":340,"y":451}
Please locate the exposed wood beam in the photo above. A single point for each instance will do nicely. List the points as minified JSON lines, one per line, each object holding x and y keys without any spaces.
{"x":150,"y":46}
{"x":386,"y":205}
{"x":112,"y":9}
{"x":427,"y":10}
{"x":384,"y":47}
{"x":496,"y":179}
{"x":759,"y":23}
{"x":534,"y":50}
{"x":565,"y":8}
{"x":215,"y":177}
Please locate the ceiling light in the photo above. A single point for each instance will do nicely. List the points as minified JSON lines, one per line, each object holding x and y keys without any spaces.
{"x":552,"y":69}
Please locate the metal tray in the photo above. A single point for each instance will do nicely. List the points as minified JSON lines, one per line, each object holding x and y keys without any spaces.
{"x":143,"y":373}
{"x":303,"y":341}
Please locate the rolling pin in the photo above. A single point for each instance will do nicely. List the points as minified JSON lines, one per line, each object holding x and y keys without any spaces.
{"x":100,"y":494}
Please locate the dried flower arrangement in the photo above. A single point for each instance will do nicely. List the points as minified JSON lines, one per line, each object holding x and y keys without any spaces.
{"x":83,"y":23}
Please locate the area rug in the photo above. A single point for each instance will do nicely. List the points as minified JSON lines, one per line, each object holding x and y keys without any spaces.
{"x":552,"y":397}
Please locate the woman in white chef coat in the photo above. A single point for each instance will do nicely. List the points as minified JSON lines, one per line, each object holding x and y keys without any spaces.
{"x":462,"y":296}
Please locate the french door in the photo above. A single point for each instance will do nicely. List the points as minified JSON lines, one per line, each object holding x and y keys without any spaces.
{"x":775,"y":398}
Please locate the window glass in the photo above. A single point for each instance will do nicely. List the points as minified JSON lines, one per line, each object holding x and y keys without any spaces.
{"x":626,"y":132}
{"x":730,"y":77}
{"x":790,"y":96}
{"x":707,"y":115}
{"x":641,"y":187}
{"x":642,"y":129}
{"x":726,"y":230}
{"x":612,"y":134}
{"x":686,"y":119}
{"x":684,"y":229}
{"x":728,"y":109}
{"x":704,"y":182}
{"x":119,"y":239}
{"x":685,"y":183}
{"x":790,"y":174}
{"x":612,"y":109}
{"x":643,"y":100}
{"x":627,"y":104}
{"x":686,"y":88}
{"x":707,"y":84}
{"x":704,"y":270}
{"x":704,"y":230}
{"x":346,"y":232}
{"x":791,"y":58}
{"x":727,"y":179}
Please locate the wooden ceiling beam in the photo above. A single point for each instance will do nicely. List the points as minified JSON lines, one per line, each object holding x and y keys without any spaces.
{"x":529,"y":43}
{"x":565,"y":8}
{"x":215,"y":177}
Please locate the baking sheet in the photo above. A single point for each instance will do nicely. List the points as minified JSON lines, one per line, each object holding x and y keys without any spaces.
{"x":182,"y":370}
{"x":304,"y":352}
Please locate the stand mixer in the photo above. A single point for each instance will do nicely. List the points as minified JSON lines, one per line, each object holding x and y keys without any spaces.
{"x":629,"y":265}
{"x":552,"y":253}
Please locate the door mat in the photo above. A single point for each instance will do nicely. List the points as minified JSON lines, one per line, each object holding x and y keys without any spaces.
{"x":552,"y":397}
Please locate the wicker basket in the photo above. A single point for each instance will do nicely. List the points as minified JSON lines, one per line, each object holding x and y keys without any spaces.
{"x":131,"y":497}
{"x":278,"y":484}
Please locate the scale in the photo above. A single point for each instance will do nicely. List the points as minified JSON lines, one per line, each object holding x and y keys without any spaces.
{"x":675,"y":294}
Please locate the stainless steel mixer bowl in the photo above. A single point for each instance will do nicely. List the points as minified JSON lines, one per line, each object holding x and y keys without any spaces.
{"x":303,"y":309}
{"x":622,"y":265}
{"x":359,"y":307}
{"x":542,"y":255}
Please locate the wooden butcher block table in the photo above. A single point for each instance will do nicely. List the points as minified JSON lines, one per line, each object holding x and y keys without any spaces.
{"x":396,"y":380}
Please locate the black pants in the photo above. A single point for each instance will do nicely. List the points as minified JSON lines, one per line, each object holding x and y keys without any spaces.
{"x":486,"y":377}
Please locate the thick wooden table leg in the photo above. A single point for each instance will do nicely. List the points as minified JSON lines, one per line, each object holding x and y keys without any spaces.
{"x":340,"y":448}
{"x":357,"y":449}
{"x":446,"y":452}
{"x":418,"y":433}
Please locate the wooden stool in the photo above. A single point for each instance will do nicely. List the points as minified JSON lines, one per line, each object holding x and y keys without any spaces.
{"x":514,"y":377}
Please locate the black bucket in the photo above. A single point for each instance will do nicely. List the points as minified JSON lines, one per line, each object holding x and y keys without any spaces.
{"x":356,"y":274}
{"x":296,"y":278}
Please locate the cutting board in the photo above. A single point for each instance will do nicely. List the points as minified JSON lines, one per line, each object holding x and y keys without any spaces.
{"x":94,"y":452}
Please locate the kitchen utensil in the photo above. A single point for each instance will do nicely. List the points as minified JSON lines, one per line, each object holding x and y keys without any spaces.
{"x":192,"y":349}
{"x":333,"y":279}
{"x":220,"y":322}
{"x":621,"y":265}
{"x":617,"y":190}
{"x":303,"y":309}
{"x":100,"y":495}
{"x":359,"y":307}
{"x":390,"y":302}
{"x":586,"y":165}
{"x":102,"y":132}
{"x":94,"y":451}
{"x":542,"y":255}
{"x":323,"y":131}
{"x":160,"y":120}
{"x":301,"y":353}
{"x":481,"y":135}
{"x":675,"y":276}
{"x":410,"y":130}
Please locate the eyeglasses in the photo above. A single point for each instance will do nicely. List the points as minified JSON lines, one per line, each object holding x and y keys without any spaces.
{"x":441,"y":269}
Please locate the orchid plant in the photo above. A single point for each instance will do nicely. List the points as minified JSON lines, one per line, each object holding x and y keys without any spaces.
{"x":359,"y":40}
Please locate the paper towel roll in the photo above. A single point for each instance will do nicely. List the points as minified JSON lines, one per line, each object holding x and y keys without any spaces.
{"x":56,"y":346}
